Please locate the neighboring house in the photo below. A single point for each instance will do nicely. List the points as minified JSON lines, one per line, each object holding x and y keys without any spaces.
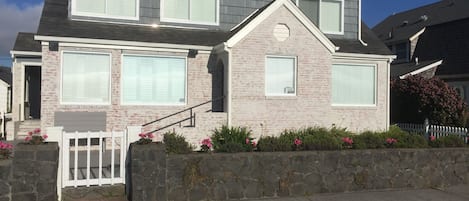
{"x":435,"y":37}
{"x":110,"y":64}
{"x":5,"y":97}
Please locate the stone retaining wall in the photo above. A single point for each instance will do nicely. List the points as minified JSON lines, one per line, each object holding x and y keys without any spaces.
{"x":194,"y":177}
{"x":31,"y":175}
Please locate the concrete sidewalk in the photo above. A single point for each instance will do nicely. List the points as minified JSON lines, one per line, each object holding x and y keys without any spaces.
{"x":456,"y":193}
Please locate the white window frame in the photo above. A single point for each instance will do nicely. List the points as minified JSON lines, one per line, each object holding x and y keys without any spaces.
{"x":62,"y":72}
{"x":153,"y":104}
{"x":294,"y":73}
{"x":319,"y":17}
{"x":375,"y":66}
{"x":182,"y":21}
{"x":89,"y":14}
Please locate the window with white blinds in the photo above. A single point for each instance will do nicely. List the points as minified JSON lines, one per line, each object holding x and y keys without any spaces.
{"x":353,"y":85}
{"x":85,"y":78}
{"x":190,"y":11}
{"x":125,"y":9}
{"x":280,"y":76}
{"x":150,"y":80}
{"x":327,"y":14}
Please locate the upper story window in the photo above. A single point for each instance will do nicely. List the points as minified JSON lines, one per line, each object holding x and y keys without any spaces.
{"x":119,"y":9}
{"x":190,"y":11}
{"x":401,"y":50}
{"x":327,"y":14}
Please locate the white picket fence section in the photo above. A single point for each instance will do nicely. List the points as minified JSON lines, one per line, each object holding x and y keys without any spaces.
{"x":435,"y":130}
{"x":87,"y":165}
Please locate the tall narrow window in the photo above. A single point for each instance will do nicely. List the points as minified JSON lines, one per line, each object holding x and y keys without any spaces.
{"x":280,"y":76}
{"x":190,"y":11}
{"x":85,"y":78}
{"x":153,"y":80}
{"x":353,"y":85}
{"x":125,"y":9}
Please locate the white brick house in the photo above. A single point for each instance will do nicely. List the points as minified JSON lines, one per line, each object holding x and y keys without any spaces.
{"x":278,"y":64}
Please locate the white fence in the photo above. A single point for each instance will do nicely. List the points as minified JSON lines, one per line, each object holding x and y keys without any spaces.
{"x":93,"y":158}
{"x":435,"y":130}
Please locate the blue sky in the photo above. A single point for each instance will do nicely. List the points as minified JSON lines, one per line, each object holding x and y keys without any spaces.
{"x":23,"y":15}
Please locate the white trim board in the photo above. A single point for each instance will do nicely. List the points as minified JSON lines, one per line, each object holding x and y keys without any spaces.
{"x":120,"y":42}
{"x":423,"y":69}
{"x":14,"y":53}
{"x":269,"y":11}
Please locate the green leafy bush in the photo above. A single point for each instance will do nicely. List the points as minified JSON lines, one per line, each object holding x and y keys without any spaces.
{"x":176,"y":144}
{"x":273,"y":144}
{"x":231,"y":140}
{"x":369,"y":140}
{"x":321,"y":141}
{"x":449,"y":141}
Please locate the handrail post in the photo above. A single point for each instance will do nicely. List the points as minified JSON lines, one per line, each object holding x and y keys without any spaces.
{"x":192,"y":123}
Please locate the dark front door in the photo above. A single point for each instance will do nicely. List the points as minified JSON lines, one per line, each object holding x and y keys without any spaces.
{"x":33,"y":90}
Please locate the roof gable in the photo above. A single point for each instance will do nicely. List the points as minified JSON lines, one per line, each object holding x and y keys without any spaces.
{"x":263,"y":13}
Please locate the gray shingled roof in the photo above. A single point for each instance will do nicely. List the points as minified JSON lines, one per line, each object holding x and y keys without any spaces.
{"x":406,"y":24}
{"x":55,"y":22}
{"x":405,"y":68}
{"x":5,"y":74}
{"x":26,"y":42}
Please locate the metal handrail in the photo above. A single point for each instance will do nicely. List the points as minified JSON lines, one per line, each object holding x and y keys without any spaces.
{"x":185,"y":110}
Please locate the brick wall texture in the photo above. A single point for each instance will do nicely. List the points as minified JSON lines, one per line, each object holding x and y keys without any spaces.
{"x":250,"y":107}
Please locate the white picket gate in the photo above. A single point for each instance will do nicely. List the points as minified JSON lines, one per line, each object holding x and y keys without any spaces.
{"x":88,"y":164}
{"x":435,"y":130}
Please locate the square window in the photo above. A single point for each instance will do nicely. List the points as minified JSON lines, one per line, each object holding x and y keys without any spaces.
{"x":85,"y":78}
{"x":149,"y":80}
{"x":353,"y":85}
{"x":280,"y":76}
{"x":122,"y":9}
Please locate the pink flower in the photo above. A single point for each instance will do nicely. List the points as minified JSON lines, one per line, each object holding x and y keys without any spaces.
{"x":248,"y":141}
{"x":150,"y":135}
{"x":207,"y":142}
{"x":254,"y":144}
{"x":432,"y":138}
{"x":142,"y":135}
{"x":27,"y":139}
{"x":347,"y":140}
{"x":45,"y":136}
{"x":298,"y":142}
{"x":37,"y":130}
{"x":391,"y":141}
{"x":30,"y":133}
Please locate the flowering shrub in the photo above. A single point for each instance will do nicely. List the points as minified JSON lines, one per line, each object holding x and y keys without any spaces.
{"x":347,"y":142}
{"x":176,"y":144}
{"x":390,"y":142}
{"x":5,"y":150}
{"x":145,"y":138}
{"x":448,"y":141}
{"x":206,"y":145}
{"x":232,"y":140}
{"x":34,"y":137}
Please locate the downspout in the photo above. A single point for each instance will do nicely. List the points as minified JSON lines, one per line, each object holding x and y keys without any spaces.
{"x":228,"y":97}
{"x":360,"y":24}
{"x":388,"y":112}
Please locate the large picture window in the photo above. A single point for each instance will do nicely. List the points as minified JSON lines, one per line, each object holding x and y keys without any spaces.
{"x":327,"y":14}
{"x":280,"y":76}
{"x":190,"y":11}
{"x":150,"y":80}
{"x":124,"y":9}
{"x":353,"y":85}
{"x":85,"y":78}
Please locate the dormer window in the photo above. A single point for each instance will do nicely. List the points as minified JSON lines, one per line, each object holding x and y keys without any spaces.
{"x":327,"y":14}
{"x":203,"y":12}
{"x":118,"y":9}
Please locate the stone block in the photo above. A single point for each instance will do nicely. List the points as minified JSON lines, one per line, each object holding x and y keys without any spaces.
{"x":24,"y":197}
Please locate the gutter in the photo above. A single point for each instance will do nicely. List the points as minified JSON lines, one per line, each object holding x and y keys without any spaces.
{"x":360,"y":24}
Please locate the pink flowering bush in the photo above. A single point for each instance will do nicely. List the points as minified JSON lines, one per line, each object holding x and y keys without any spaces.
{"x":206,"y":145}
{"x":5,"y":150}
{"x":347,"y":142}
{"x":35,"y":137}
{"x":390,"y":142}
{"x":145,"y":138}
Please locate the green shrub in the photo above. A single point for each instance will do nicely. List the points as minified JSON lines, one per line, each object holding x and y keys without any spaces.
{"x":450,"y":141}
{"x":369,"y":140}
{"x":176,"y":144}
{"x":273,"y":144}
{"x":321,"y":141}
{"x":235,"y":139}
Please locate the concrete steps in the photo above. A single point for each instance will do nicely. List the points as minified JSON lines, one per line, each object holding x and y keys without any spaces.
{"x":25,"y":127}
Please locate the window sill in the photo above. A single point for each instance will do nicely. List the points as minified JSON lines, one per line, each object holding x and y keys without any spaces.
{"x":354,"y":107}
{"x":281,"y":97}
